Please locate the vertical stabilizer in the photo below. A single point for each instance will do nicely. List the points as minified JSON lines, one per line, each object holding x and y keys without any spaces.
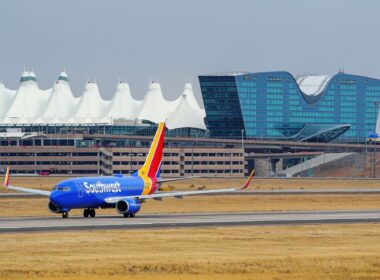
{"x":151,"y":167}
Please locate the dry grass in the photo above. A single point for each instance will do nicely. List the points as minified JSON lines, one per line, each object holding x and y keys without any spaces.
{"x":47,"y":183}
{"x":267,"y":252}
{"x":38,"y":206}
{"x":281,"y":252}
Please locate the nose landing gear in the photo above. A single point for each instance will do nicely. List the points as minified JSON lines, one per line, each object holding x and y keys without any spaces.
{"x":65,"y":215}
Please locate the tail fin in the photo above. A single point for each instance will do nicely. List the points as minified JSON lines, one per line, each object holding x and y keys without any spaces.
{"x":246,"y":184}
{"x":6,"y":179}
{"x":151,"y":167}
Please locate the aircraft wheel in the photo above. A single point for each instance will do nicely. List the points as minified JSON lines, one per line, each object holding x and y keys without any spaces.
{"x":126,"y":215}
{"x":92,"y":213}
{"x":65,"y":215}
{"x":132,"y":215}
{"x":86,"y":212}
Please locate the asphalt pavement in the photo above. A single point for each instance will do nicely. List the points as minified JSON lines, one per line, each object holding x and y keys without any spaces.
{"x":154,"y":221}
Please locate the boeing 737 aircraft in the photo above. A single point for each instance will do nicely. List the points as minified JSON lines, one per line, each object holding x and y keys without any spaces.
{"x":124,"y":193}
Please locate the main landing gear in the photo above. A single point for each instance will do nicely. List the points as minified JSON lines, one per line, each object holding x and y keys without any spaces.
{"x":89,"y":212}
{"x":130,"y":215}
{"x":65,"y":215}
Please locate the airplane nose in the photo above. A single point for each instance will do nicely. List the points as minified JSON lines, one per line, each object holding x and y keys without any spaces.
{"x":55,"y":198}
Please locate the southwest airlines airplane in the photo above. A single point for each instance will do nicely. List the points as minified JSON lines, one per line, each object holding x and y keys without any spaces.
{"x":125,"y":193}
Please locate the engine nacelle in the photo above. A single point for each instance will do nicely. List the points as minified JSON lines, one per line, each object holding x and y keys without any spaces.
{"x":53,"y":208}
{"x":128,"y":206}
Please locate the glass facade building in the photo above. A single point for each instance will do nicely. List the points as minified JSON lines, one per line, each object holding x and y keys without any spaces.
{"x":281,"y":106}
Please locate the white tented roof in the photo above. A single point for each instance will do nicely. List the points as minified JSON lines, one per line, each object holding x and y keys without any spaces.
{"x":91,"y":107}
{"x":188,"y":91}
{"x":61,"y":104}
{"x":6,"y":99}
{"x":313,"y":84}
{"x":29,"y":102}
{"x":155,"y":107}
{"x":123,"y":105}
{"x":31,"y":105}
{"x":185,"y":115}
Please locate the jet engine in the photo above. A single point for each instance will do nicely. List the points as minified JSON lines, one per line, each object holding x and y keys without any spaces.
{"x":128,"y":206}
{"x":54,"y":208}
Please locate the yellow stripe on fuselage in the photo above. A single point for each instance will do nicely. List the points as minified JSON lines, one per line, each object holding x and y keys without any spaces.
{"x":147,"y":185}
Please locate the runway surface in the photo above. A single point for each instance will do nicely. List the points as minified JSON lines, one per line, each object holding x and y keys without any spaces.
{"x":149,"y":221}
{"x":252,"y":192}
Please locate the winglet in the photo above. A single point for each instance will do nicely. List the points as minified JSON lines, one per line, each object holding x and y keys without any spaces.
{"x":248,"y":180}
{"x":6,"y":180}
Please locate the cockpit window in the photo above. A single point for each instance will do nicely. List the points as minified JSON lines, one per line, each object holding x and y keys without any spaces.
{"x":61,"y":188}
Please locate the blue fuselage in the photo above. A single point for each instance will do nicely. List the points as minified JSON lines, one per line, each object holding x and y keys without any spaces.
{"x":90,"y":192}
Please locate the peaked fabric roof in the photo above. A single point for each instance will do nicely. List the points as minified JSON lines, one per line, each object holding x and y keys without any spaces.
{"x":29,"y":105}
{"x":123,"y":105}
{"x":29,"y":101}
{"x":313,"y":84}
{"x":61,"y":104}
{"x":91,"y":107}
{"x":6,"y":99}
{"x":188,"y":91}
{"x":185,"y":115}
{"x":155,"y":107}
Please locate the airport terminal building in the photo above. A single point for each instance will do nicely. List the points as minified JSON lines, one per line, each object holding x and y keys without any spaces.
{"x":278,"y":105}
{"x":53,"y":132}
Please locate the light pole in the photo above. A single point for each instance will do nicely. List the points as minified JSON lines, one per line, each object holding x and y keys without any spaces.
{"x":242,"y":139}
{"x":374,"y":143}
{"x":374,"y":162}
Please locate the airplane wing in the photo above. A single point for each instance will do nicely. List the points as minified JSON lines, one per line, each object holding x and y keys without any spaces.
{"x":20,"y":189}
{"x":159,"y":180}
{"x":181,"y":194}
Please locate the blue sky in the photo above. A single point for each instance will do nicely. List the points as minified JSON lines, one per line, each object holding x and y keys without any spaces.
{"x":173,"y":41}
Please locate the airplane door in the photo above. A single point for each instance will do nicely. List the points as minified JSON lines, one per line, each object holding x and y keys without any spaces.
{"x":80,"y":189}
